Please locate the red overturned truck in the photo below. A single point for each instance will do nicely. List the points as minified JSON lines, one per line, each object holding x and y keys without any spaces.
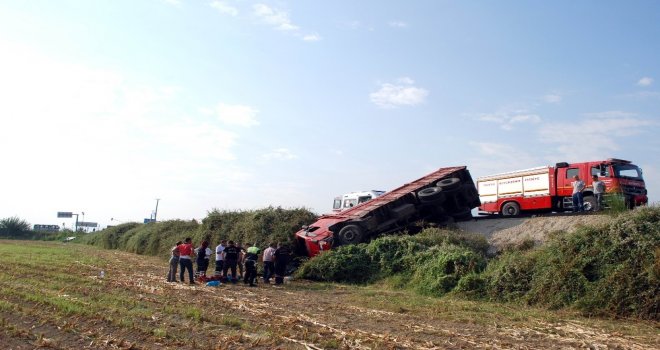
{"x":549,"y":188}
{"x":443,"y":196}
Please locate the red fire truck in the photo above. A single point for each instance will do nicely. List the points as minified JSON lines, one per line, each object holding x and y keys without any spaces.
{"x":549,"y":188}
{"x":443,"y":196}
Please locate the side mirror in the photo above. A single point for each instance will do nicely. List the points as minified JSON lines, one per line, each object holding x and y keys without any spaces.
{"x":305,"y":227}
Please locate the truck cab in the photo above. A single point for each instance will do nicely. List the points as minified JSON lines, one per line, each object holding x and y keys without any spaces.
{"x":618,"y":175}
{"x":352,"y":199}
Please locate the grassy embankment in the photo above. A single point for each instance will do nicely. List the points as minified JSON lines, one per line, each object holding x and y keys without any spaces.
{"x":613,"y":270}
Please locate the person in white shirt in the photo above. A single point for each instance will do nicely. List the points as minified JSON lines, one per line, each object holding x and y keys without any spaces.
{"x":269,"y":262}
{"x":599,"y":191}
{"x":578,"y":196}
{"x":219,"y":256}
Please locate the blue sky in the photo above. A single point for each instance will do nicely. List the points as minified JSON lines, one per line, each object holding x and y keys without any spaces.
{"x":236,"y":104}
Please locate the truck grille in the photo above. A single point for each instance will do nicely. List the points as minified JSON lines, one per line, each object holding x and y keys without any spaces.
{"x":633,"y":190}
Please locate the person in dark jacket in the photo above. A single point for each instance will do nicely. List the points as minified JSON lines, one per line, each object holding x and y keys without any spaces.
{"x":203,"y":258}
{"x":250,"y":261}
{"x":282,"y":257}
{"x":231,"y":253}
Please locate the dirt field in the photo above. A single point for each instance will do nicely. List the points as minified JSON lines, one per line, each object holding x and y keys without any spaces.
{"x":61,"y":302}
{"x":502,"y":232}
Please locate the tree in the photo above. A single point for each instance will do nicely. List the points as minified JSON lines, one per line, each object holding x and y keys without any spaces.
{"x":14,"y":227}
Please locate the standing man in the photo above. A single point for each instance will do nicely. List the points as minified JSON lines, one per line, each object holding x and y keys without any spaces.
{"x":241,"y":257}
{"x":219,"y":256}
{"x":230,"y":260}
{"x":251,"y":257}
{"x":203,"y":253}
{"x":282,"y":256}
{"x":269,"y":262}
{"x":174,"y":262}
{"x":185,"y":259}
{"x":599,"y":191}
{"x":578,"y":198}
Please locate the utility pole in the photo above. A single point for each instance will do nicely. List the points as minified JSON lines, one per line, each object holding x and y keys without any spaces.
{"x":156,"y":211}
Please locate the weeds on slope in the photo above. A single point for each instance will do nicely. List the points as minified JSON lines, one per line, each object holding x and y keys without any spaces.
{"x":610,"y":270}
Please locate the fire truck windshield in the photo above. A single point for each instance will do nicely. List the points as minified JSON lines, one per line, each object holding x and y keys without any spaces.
{"x":628,"y":171}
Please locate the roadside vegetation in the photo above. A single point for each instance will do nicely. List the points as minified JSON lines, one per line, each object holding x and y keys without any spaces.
{"x":262,"y":226}
{"x":612,"y":270}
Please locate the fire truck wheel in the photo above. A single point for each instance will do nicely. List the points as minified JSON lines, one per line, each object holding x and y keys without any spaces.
{"x":430,"y":194}
{"x":589,"y":203}
{"x":449,"y":184}
{"x":351,"y":234}
{"x":510,"y":209}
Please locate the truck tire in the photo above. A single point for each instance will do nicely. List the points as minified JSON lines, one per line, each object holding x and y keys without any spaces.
{"x":510,"y":209}
{"x":449,"y":183}
{"x":589,"y":203}
{"x":430,"y":195}
{"x":351,"y":234}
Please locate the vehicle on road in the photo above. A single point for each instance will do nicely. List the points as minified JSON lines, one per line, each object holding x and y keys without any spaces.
{"x":549,"y":188}
{"x":443,"y":196}
{"x":349,"y":200}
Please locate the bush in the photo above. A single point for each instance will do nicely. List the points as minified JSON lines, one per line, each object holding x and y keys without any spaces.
{"x":608,"y":270}
{"x":349,"y":263}
{"x":440,"y":268}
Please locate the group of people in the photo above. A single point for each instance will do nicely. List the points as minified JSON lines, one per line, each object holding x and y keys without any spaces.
{"x":232,"y":262}
{"x":578,"y":193}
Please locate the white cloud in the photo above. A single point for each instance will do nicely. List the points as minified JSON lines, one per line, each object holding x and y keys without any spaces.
{"x":312,"y":37}
{"x":280,"y":154}
{"x":398,"y":24}
{"x":508,"y":120}
{"x":494,"y":158}
{"x":279,"y":19}
{"x":224,"y":8}
{"x":552,"y":98}
{"x":645,"y":81}
{"x":237,"y":115}
{"x":595,"y":136}
{"x":404,"y":94}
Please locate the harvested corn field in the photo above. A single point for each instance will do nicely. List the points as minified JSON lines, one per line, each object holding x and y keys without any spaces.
{"x":53,"y":296}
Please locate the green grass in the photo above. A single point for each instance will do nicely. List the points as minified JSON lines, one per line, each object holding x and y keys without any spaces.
{"x":607,"y":271}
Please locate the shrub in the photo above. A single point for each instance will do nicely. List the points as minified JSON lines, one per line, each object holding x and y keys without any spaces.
{"x":608,"y":270}
{"x":509,"y":277}
{"x":349,"y":263}
{"x":441,"y":267}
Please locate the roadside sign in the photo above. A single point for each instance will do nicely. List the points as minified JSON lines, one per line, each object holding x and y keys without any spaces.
{"x":64,"y":214}
{"x":146,"y":221}
{"x":87,"y":224}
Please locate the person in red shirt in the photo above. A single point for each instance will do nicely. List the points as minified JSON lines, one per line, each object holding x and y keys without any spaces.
{"x":185,"y":259}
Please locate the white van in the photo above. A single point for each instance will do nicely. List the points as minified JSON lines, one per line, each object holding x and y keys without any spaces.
{"x":349,"y":200}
